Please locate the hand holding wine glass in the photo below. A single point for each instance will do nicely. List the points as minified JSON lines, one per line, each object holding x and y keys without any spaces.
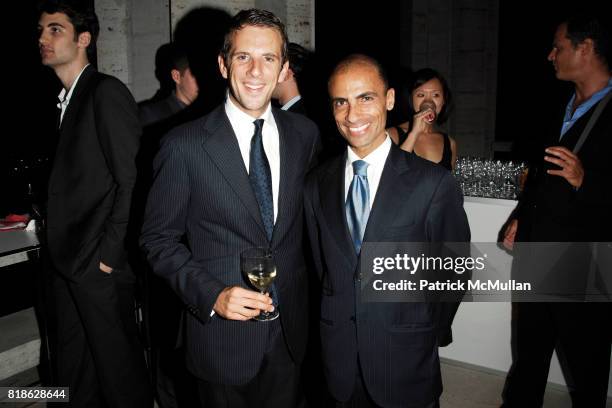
{"x":259,"y":268}
{"x":238,"y":303}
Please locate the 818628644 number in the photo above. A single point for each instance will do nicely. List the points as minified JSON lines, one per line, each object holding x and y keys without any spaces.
{"x":34,"y":394}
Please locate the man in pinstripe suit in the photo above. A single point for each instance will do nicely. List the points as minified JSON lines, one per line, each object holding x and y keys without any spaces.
{"x":204,"y":209}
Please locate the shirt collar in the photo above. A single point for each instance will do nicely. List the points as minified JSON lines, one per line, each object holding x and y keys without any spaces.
{"x":291,"y":102}
{"x":591,"y":101}
{"x":64,"y":97}
{"x":238,"y":117}
{"x":177,"y":101}
{"x":376,"y":157}
{"x":572,"y":115}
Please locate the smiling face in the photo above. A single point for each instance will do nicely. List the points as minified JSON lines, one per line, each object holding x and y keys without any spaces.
{"x":431,"y":91}
{"x":254,"y":67}
{"x":360,"y":103}
{"x":58,"y":43}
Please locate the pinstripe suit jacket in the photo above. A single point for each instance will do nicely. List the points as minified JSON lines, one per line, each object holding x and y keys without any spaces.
{"x":201,"y":213}
{"x":396,"y":343}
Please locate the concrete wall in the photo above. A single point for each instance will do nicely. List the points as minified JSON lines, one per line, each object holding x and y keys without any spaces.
{"x":131,"y":31}
{"x":115,"y":40}
{"x":298,"y":15}
{"x":150,"y":29}
{"x":459,"y":39}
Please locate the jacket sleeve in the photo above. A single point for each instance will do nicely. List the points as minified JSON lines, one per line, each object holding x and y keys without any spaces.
{"x":118,"y":129}
{"x":447,"y":223}
{"x":164,"y":228}
{"x":312,"y":224}
{"x":315,"y":151}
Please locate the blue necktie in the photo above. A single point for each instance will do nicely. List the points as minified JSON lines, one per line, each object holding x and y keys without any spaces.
{"x":261,"y":182}
{"x":358,"y":203}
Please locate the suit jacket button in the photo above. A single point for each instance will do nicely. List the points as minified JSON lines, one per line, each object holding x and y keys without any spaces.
{"x":353,"y":319}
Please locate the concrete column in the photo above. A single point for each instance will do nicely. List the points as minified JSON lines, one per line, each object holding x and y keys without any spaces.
{"x":459,"y":39}
{"x":130,"y":33}
{"x":406,"y":40}
{"x":114,"y":42}
{"x":150,"y":29}
{"x":300,"y":22}
{"x":298,"y":15}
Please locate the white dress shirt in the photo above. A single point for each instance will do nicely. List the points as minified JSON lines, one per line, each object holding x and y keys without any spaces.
{"x":291,"y":102}
{"x":376,"y":162}
{"x":64,"y":97}
{"x":244,"y":128}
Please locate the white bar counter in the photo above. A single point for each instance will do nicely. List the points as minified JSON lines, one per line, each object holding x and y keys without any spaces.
{"x":481,"y":331}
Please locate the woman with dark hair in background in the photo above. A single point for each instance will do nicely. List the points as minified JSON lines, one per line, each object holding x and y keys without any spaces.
{"x":430,"y":100}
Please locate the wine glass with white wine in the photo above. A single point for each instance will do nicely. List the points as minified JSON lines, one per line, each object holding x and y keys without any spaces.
{"x":258,"y":266}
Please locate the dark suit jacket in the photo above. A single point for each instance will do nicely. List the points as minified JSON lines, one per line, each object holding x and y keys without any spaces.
{"x":153,"y":112}
{"x":94,"y":171}
{"x":551,"y":210}
{"x":202,"y":213}
{"x":298,"y":107}
{"x":397,"y":343}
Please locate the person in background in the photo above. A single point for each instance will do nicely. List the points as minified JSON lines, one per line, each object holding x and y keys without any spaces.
{"x":289,"y":92}
{"x":162,"y":308}
{"x":431,"y":100}
{"x":96,"y":352}
{"x":163,"y":66}
{"x":185,"y":91}
{"x":567,"y":198}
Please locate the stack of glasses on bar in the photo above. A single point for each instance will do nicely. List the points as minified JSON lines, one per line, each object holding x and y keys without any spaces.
{"x":489,"y":178}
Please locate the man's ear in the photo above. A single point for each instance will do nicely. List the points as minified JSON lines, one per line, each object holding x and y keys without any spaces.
{"x":390,"y":98}
{"x":176,"y":75}
{"x":84,"y":39}
{"x":587,"y":46}
{"x":289,"y":75}
{"x":222,"y":67}
{"x":283,"y":73}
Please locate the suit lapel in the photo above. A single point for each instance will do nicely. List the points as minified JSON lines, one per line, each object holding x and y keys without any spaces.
{"x":331,"y":189}
{"x":387,"y":202}
{"x":67,"y":127}
{"x":76,"y":99}
{"x":222,"y":147}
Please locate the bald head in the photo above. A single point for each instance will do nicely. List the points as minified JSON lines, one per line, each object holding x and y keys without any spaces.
{"x":359,"y":60}
{"x":360,"y":99}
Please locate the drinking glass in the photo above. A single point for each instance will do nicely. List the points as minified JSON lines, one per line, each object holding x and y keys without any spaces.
{"x":258,"y":266}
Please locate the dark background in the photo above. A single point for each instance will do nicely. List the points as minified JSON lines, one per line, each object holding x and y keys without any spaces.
{"x":527,"y":93}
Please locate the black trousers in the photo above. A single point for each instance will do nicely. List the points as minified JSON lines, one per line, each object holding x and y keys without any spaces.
{"x":96,"y":350}
{"x":361,"y":398}
{"x":276,"y":385}
{"x":581,"y":334}
{"x":175,"y":386}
